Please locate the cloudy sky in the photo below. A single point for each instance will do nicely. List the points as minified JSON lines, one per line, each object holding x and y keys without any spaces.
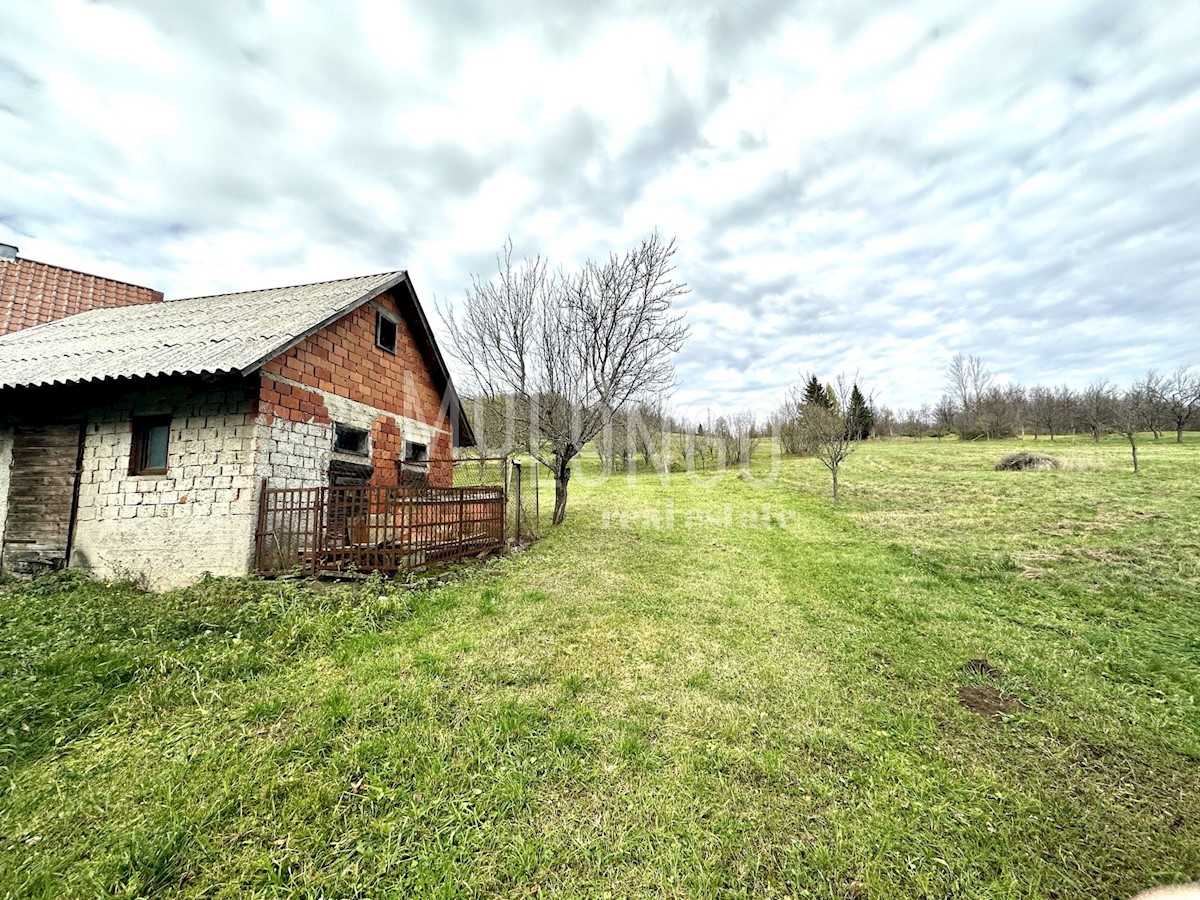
{"x":854,"y":186}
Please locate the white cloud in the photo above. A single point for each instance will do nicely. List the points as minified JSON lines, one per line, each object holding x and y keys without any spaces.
{"x":851,"y":191}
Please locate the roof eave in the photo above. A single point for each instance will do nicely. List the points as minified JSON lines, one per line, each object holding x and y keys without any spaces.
{"x":460,"y":428}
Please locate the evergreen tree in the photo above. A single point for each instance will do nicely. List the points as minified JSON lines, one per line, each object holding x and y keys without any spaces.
{"x":859,"y":418}
{"x":814,"y":393}
{"x":831,"y":400}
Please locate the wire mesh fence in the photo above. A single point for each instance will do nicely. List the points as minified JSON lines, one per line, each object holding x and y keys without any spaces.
{"x":525,"y":496}
{"x":522,"y":482}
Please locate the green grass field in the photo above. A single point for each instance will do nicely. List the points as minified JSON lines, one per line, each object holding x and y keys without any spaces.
{"x":720,"y":686}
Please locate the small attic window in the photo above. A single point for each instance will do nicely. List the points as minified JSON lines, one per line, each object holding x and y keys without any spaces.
{"x":350,"y":440}
{"x":385,"y":332}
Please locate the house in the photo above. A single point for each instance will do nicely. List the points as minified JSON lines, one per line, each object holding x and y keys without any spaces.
{"x":138,"y":439}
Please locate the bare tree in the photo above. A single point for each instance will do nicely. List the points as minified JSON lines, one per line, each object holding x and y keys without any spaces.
{"x":650,"y":433}
{"x":788,"y":418}
{"x":700,"y":447}
{"x":999,"y":411}
{"x":943,"y":417}
{"x":967,"y":381}
{"x":1157,"y":413}
{"x":571,"y":350}
{"x":1095,"y":407}
{"x":826,"y":433}
{"x":1040,"y":399}
{"x":915,"y":423}
{"x":1128,"y":414}
{"x":614,"y":444}
{"x":1179,"y":396}
{"x":1050,"y":408}
{"x":737,"y":436}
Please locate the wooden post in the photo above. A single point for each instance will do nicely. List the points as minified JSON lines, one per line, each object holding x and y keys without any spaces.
{"x":318,"y":518}
{"x":261,"y":535}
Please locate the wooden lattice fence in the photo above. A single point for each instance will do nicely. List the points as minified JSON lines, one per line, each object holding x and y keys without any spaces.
{"x":391,"y":529}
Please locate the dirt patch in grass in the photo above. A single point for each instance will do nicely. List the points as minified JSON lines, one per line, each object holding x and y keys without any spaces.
{"x":988,"y":701}
{"x":1023,"y":460}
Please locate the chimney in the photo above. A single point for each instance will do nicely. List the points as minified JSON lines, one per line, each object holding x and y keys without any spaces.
{"x":8,"y":252}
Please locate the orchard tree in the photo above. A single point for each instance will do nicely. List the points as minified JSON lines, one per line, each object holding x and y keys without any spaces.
{"x":736,"y":438}
{"x":1179,"y":395}
{"x":1157,"y":413}
{"x":1050,"y":408}
{"x":1095,"y":407}
{"x":827,"y":434}
{"x":1128,"y":414}
{"x":787,"y":421}
{"x":571,"y":350}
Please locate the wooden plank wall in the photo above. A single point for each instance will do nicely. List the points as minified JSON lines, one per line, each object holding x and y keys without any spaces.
{"x":40,"y":491}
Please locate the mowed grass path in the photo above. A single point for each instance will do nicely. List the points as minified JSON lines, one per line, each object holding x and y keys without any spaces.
{"x":704,"y":687}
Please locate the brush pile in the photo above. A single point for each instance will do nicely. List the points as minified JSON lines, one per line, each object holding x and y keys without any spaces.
{"x":1019,"y":462}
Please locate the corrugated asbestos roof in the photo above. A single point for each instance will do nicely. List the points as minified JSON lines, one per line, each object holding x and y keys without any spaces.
{"x":222,"y":333}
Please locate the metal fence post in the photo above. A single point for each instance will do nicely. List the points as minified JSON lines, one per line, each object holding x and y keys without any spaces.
{"x":517,"y":466}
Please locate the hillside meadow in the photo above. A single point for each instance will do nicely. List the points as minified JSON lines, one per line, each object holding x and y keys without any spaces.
{"x":957,"y":683}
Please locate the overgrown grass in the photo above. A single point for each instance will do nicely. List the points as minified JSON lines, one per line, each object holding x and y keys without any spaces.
{"x":714,"y":687}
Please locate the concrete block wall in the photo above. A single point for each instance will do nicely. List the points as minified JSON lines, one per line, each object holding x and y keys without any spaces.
{"x":199,"y":517}
{"x":293,"y":454}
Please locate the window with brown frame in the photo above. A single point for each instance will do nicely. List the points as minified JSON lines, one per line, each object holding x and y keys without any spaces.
{"x":148,"y":452}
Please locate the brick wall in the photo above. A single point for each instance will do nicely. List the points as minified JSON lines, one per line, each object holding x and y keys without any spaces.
{"x":32,"y":293}
{"x":199,"y":517}
{"x":339,"y":375}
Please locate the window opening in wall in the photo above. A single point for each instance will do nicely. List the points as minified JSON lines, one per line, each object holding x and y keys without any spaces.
{"x":350,"y":440}
{"x":148,"y":451}
{"x":415,"y":453}
{"x":385,"y":332}
{"x":414,"y":465}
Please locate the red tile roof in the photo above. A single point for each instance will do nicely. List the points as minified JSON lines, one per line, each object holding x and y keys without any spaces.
{"x":32,"y":293}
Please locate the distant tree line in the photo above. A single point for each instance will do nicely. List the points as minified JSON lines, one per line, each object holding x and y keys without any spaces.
{"x":975,"y":407}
